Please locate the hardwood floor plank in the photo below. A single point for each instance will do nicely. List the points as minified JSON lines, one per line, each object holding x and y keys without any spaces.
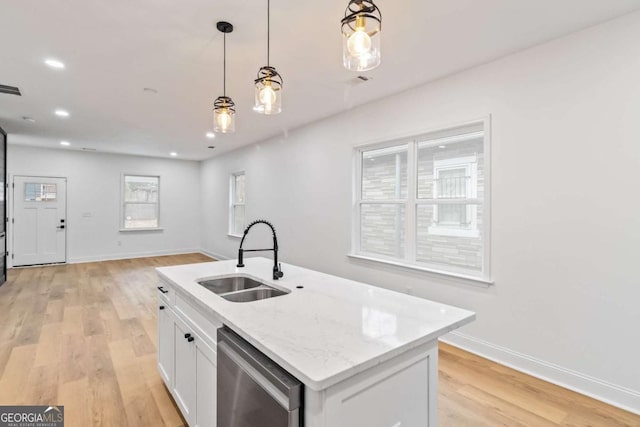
{"x":16,"y":373}
{"x":41,"y":387}
{"x":139,"y":404}
{"x":107,"y":407}
{"x":168,"y":410}
{"x":74,"y":396}
{"x":49,"y":345}
{"x":85,"y":336}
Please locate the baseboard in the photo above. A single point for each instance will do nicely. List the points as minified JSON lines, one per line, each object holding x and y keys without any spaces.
{"x":614,"y":395}
{"x":133,"y":255}
{"x":213,"y":255}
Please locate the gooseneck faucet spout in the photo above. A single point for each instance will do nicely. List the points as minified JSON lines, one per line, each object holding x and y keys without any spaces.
{"x":277,"y":271}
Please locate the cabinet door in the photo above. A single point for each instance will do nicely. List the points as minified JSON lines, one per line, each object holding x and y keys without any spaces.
{"x":165,"y":344}
{"x":206,"y":396}
{"x":184,"y":379}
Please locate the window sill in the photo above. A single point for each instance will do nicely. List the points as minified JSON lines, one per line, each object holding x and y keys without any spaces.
{"x":126,"y":230}
{"x":235,"y":236}
{"x":476,"y":280}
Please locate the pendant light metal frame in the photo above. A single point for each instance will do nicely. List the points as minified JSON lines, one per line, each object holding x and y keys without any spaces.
{"x":224,"y":104}
{"x":364,"y":12}
{"x":268,"y":76}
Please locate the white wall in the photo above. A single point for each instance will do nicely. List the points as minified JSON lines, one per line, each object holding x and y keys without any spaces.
{"x":565,"y":212}
{"x":94,"y":187}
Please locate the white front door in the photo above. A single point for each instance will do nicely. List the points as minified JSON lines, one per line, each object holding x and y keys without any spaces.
{"x":39,"y":220}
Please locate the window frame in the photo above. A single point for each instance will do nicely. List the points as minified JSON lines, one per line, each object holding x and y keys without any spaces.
{"x":123,"y":203}
{"x":414,"y":140}
{"x":232,"y":204}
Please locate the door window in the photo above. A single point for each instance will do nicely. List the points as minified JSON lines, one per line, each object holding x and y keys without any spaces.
{"x":40,"y":192}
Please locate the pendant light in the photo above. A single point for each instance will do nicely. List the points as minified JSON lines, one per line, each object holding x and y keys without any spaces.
{"x":268,"y":84}
{"x":361,"y":28}
{"x":224,"y":109}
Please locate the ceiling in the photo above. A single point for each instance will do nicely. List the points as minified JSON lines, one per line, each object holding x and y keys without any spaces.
{"x":114,"y":49}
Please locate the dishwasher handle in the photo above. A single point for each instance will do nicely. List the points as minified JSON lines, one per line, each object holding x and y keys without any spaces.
{"x":281,"y":385}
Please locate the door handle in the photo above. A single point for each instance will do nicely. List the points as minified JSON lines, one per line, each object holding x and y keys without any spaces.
{"x":161,"y":289}
{"x":61,"y":227}
{"x":187,"y":336}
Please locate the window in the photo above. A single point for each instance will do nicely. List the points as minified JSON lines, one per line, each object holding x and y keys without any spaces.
{"x":141,"y":207}
{"x":40,"y":192}
{"x":421,"y":202}
{"x":237,"y":218}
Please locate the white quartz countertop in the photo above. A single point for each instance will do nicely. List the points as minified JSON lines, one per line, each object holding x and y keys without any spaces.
{"x":326,"y":332}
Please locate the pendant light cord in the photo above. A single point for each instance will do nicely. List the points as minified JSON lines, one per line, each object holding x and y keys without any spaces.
{"x":224,"y":65}
{"x":268,"y":32}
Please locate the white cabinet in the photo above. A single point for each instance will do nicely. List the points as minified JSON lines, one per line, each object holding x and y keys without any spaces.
{"x":401,"y":392}
{"x":186,"y":361}
{"x":185,"y":374}
{"x":165,"y":342}
{"x":195,"y":377}
{"x":206,"y":385}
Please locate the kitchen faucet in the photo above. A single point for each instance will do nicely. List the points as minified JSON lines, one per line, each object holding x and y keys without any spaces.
{"x":277,"y":271}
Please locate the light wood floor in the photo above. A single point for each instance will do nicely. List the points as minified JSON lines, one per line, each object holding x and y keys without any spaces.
{"x":84,"y":336}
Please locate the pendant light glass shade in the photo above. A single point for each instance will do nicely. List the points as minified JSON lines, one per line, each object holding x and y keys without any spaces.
{"x":361,"y":28}
{"x":268,"y":91}
{"x":224,"y":109}
{"x":268,"y":84}
{"x":224,"y":115}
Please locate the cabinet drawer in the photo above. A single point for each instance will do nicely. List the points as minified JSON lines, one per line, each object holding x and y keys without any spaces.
{"x":206,"y":324}
{"x":166,"y":293}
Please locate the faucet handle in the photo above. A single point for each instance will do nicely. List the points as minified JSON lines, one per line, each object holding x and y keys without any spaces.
{"x":277,"y":272}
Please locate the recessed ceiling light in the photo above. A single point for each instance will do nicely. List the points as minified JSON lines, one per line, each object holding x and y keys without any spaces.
{"x":62,"y":113}
{"x":173,"y":153}
{"x":54,"y":63}
{"x":442,"y":146}
{"x":211,"y":135}
{"x":28,"y":119}
{"x":65,"y":143}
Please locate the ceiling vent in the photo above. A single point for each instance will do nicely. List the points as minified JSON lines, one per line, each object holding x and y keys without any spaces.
{"x":88,"y":149}
{"x":10,"y":90}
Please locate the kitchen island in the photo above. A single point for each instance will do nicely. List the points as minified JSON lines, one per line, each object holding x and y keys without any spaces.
{"x":367,"y":356}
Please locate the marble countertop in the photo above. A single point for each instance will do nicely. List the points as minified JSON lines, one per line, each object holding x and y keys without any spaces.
{"x":326,"y":332}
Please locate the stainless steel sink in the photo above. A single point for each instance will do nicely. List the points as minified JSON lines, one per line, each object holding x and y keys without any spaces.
{"x":254,"y":294}
{"x":240,"y":289}
{"x":229,"y":284}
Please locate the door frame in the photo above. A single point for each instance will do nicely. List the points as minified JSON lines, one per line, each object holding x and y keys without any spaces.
{"x":5,"y":214}
{"x":10,"y":230}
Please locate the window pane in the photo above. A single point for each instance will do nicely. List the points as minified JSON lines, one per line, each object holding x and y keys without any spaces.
{"x":239,"y":187}
{"x":238,"y":219}
{"x":384,"y":174}
{"x":140,"y":215}
{"x":451,"y":215}
{"x":40,"y":192}
{"x":141,"y":189}
{"x":452,"y":183}
{"x":383,"y":229}
{"x":450,"y":235}
{"x":452,"y":171}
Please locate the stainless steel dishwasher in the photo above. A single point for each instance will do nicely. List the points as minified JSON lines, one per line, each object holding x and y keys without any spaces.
{"x":253,"y":391}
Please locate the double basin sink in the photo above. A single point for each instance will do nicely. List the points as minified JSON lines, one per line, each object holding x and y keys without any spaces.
{"x":241,"y":289}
